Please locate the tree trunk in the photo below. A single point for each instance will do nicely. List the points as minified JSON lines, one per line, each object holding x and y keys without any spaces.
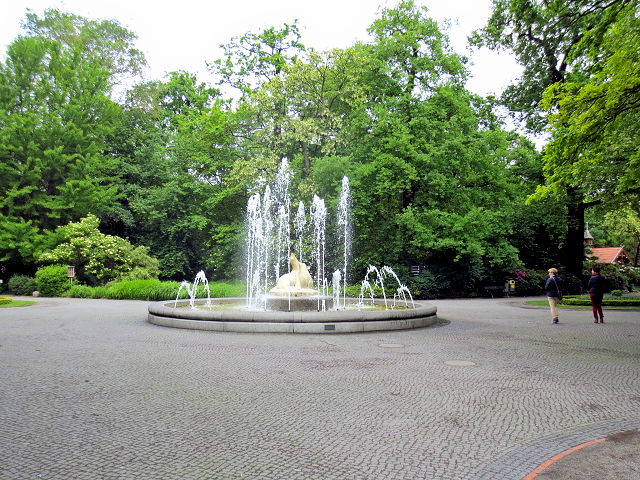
{"x":574,"y":244}
{"x":305,"y":155}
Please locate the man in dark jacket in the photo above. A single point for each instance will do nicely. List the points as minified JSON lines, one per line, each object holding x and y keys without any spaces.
{"x":596,"y":287}
{"x":553,"y":288}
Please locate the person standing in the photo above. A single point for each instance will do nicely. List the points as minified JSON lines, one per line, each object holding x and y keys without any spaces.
{"x":596,"y":287}
{"x":553,"y":288}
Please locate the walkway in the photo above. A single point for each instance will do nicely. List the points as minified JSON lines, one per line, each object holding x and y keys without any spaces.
{"x":90,"y":390}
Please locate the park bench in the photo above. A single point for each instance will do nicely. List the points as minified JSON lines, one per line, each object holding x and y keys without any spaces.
{"x":495,"y":289}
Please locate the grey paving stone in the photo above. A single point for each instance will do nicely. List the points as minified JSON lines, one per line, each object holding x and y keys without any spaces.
{"x":90,"y":390}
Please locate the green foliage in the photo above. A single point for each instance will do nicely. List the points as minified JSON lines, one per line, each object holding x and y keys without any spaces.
{"x":561,"y":45}
{"x":428,"y":285}
{"x":154,"y":290}
{"x":616,"y":293}
{"x":105,"y":257}
{"x":435,"y":179}
{"x":56,"y":119}
{"x":623,"y":228}
{"x":608,"y":301}
{"x":52,"y":280}
{"x":530,"y":282}
{"x":22,"y":285}
{"x":177,"y":198}
{"x":5,"y":300}
{"x":595,"y":120}
{"x":104,"y":42}
{"x":254,"y":57}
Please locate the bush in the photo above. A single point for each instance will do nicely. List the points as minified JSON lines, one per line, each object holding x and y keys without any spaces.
{"x":52,"y":280}
{"x":102,"y":257}
{"x":82,"y":291}
{"x":426,"y":285}
{"x":530,"y":282}
{"x":5,"y":300}
{"x":22,"y":285}
{"x":153,"y":290}
{"x":616,"y":293}
{"x":608,"y":301}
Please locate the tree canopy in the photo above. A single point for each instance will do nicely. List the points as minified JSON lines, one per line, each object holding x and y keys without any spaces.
{"x":436,"y":178}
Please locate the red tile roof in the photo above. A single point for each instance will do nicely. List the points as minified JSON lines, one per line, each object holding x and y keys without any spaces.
{"x":608,"y":254}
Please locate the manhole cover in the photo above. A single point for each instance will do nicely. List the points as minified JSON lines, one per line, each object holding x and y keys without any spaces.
{"x":459,"y":363}
{"x":390,"y":345}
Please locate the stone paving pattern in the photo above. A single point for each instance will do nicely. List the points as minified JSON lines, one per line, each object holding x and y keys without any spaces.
{"x":90,"y":390}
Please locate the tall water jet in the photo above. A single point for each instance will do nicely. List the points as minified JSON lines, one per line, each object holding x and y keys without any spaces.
{"x":319,"y":216}
{"x":255,"y":239}
{"x":300,"y":224}
{"x":282,"y":204}
{"x":344,"y":221}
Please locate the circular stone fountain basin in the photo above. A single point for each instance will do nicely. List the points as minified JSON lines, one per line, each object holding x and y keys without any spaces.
{"x":237,"y":319}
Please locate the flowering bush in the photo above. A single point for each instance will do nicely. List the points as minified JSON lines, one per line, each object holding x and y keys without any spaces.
{"x":105,"y":257}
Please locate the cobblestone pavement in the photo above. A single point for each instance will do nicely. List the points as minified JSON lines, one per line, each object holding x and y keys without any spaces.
{"x":90,"y":390}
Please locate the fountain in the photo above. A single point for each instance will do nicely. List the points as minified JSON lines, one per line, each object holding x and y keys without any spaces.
{"x":296,"y":300}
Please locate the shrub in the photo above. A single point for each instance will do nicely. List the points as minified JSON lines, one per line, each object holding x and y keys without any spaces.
{"x":608,"y":301}
{"x":631,"y":275}
{"x":530,"y":282}
{"x":616,"y":293}
{"x":104,"y":257}
{"x":153,"y":290}
{"x":22,"y":285}
{"x":5,"y":300}
{"x":83,"y":291}
{"x":52,"y":280}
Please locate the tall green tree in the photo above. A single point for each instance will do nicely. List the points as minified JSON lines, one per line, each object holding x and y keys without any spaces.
{"x":595,"y":122}
{"x":431,"y":175}
{"x":55,"y":119}
{"x":175,"y":185}
{"x":103,"y":41}
{"x":550,"y":40}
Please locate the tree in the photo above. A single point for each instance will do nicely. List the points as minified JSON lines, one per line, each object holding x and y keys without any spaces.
{"x":623,"y":227}
{"x":596,"y":122}
{"x":175,"y":185}
{"x":105,"y":42}
{"x":549,"y":39}
{"x":55,"y":119}
{"x":431,"y":174}
{"x":256,"y":58}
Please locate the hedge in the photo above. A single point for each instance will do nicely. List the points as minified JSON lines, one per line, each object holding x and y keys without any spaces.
{"x":606,"y":302}
{"x":154,"y":290}
{"x":5,"y":300}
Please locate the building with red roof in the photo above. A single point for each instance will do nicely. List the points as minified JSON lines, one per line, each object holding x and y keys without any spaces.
{"x":613,"y":255}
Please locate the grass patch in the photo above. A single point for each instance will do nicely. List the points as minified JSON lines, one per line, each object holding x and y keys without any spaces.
{"x":17,"y":303}
{"x":544,"y":303}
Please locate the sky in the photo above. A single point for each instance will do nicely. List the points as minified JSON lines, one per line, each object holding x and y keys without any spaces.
{"x":185,"y":34}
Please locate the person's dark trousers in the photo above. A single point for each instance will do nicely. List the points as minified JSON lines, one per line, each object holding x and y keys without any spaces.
{"x":596,"y":306}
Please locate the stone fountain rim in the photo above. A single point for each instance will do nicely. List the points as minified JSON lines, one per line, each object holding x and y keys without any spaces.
{"x":163,"y":313}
